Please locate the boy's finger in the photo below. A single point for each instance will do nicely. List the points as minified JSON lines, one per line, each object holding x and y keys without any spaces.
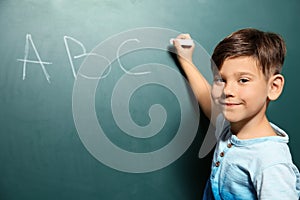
{"x":176,"y":43}
{"x":184,"y":36}
{"x":183,"y":43}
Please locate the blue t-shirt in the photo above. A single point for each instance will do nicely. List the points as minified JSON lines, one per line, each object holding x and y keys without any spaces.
{"x":260,"y":168}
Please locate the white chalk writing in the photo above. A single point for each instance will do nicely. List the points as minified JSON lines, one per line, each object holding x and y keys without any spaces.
{"x":39,"y":61}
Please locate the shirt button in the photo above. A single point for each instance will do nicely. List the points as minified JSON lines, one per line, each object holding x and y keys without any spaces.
{"x":217,"y":164}
{"x":229,"y":145}
{"x":222,"y":154}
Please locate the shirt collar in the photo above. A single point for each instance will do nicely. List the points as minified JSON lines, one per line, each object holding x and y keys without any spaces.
{"x":282,"y":136}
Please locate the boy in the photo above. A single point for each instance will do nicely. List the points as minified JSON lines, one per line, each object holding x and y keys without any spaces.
{"x":251,"y":159}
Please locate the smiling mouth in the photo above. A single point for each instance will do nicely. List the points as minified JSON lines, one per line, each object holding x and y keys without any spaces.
{"x":229,"y":104}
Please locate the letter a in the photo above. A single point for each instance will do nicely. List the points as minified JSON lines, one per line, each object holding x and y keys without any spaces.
{"x":39,"y":61}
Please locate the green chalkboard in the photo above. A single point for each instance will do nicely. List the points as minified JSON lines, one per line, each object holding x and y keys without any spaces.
{"x":93,"y":104}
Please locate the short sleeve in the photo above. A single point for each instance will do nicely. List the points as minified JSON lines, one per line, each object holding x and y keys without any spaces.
{"x":278,"y":182}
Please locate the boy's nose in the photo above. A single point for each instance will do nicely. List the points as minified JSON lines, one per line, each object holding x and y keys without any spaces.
{"x":229,"y":90}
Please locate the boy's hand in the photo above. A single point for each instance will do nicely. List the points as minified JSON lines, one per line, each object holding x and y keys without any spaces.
{"x":184,"y":53}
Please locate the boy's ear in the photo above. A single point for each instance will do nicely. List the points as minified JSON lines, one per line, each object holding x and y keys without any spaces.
{"x":276,"y":84}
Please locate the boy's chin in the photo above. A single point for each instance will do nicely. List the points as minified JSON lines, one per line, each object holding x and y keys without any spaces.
{"x":232,"y":118}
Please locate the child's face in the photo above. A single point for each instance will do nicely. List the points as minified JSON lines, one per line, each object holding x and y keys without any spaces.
{"x":240,"y":89}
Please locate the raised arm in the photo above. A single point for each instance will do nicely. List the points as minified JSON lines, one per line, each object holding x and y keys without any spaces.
{"x":200,"y":86}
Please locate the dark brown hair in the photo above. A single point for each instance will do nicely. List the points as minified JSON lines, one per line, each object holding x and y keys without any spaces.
{"x":267,"y":48}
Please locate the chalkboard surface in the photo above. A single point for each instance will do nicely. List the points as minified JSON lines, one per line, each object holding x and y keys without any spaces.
{"x":94,"y":106}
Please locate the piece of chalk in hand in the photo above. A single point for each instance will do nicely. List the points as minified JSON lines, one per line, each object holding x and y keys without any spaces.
{"x":183,"y":42}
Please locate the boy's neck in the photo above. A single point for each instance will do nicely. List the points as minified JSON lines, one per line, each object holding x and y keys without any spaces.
{"x":254,"y":128}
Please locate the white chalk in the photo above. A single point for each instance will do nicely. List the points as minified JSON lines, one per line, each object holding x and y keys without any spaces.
{"x":183,"y":42}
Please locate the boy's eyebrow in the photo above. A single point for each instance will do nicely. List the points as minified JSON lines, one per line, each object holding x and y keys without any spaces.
{"x":236,"y":74}
{"x":244,"y":73}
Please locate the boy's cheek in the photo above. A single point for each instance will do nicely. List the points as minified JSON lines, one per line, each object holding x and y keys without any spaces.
{"x":216,"y":92}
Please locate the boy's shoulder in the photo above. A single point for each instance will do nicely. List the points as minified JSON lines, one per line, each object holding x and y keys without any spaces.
{"x":265,"y":148}
{"x":264,"y":151}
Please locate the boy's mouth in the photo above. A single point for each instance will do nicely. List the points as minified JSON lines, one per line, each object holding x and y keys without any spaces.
{"x":229,"y":104}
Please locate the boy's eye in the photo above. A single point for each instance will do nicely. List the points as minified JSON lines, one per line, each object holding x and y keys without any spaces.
{"x":243,"y":80}
{"x":219,"y":80}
